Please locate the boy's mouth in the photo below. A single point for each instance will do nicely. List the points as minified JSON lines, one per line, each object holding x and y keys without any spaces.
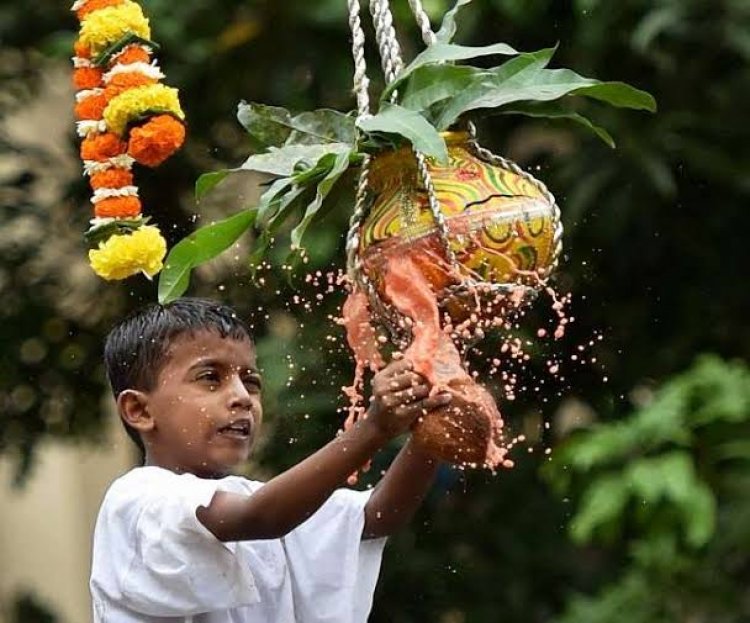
{"x":240,"y":428}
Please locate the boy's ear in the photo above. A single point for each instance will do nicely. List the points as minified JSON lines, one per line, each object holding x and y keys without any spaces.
{"x":133,"y":408}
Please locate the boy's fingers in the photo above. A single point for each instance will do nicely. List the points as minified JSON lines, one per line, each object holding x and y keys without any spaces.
{"x":422,"y":407}
{"x":439,"y":400}
{"x":405,"y":380}
{"x":413,"y":393}
{"x":397,"y":367}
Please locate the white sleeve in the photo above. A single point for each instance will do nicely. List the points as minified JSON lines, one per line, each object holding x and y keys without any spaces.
{"x":180,"y":568}
{"x":334,"y":571}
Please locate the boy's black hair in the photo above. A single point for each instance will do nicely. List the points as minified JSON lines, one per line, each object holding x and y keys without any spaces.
{"x":136,"y":349}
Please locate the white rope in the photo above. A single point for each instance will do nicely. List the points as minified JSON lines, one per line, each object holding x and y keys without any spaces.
{"x":392,"y":63}
{"x":390,"y":54}
{"x":361,"y":82}
{"x":361,"y":90}
{"x":423,"y":21}
{"x":385,"y":34}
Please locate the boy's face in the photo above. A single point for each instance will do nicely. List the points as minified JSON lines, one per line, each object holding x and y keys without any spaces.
{"x":206,"y":407}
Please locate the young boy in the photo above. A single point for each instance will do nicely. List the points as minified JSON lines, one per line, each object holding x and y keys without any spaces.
{"x":182,"y":540}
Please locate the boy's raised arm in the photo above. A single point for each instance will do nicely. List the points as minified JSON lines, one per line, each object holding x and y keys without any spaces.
{"x":399,"y":395}
{"x":401,"y":491}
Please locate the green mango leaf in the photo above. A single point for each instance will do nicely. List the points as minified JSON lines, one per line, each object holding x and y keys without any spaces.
{"x":322,"y":126}
{"x":441,"y":53}
{"x":208,"y":181}
{"x":509,"y":73}
{"x":282,"y":162}
{"x":553,"y":110}
{"x":534,"y":83}
{"x":337,"y":169}
{"x":272,"y":126}
{"x":268,"y":126}
{"x":258,"y":251}
{"x":286,"y":204}
{"x":431,"y":84}
{"x":393,"y":119}
{"x":272,"y":198}
{"x":285,"y":161}
{"x":199,"y":247}
{"x":448,"y":27}
{"x":618,"y":94}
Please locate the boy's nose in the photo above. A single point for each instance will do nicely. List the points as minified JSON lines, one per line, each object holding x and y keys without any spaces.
{"x":240,"y":398}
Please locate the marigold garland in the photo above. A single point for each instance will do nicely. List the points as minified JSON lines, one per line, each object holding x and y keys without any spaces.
{"x":125,"y":255}
{"x":156,"y":140}
{"x":124,"y":115}
{"x":91,"y":107}
{"x":134,"y":103}
{"x":94,"y":5}
{"x":87,"y":78}
{"x":134,"y":54}
{"x":112,"y":178}
{"x":118,"y":207}
{"x":103,"y":27}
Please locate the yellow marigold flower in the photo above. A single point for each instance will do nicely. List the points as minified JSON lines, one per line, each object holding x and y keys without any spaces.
{"x":128,"y":254}
{"x":134,"y":102}
{"x":103,"y":27}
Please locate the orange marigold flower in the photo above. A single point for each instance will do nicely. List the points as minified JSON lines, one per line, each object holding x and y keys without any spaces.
{"x":94,"y":5}
{"x":112,"y":91}
{"x":87,"y":78}
{"x":112,"y":178}
{"x":129,"y":80}
{"x":118,"y":207}
{"x":100,"y":147}
{"x":123,"y":82}
{"x":134,"y":54}
{"x":82,"y":50}
{"x":91,"y":108}
{"x":157,"y":139}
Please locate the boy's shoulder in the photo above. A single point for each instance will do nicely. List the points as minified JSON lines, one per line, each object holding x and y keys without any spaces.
{"x":151,"y":482}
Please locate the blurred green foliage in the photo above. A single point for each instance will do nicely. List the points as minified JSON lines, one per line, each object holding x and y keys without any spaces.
{"x":654,"y":254}
{"x":671,"y":481}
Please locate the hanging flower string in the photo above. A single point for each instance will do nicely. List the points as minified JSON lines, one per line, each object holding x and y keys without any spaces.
{"x":124,"y":116}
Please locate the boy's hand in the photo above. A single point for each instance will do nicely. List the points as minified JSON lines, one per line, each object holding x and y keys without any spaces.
{"x":400,"y":396}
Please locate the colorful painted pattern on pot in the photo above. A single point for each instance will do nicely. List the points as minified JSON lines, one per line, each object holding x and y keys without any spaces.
{"x":500,"y":224}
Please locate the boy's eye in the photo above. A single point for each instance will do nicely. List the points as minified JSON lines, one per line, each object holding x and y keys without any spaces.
{"x":210,"y":376}
{"x":252,"y":381}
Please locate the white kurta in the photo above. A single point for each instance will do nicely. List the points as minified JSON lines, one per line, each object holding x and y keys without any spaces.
{"x":154,"y":562}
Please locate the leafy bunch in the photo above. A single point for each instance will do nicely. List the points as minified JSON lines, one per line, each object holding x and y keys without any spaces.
{"x":307,"y":154}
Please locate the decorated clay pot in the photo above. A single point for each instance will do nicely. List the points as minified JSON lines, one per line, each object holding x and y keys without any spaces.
{"x":501,"y":225}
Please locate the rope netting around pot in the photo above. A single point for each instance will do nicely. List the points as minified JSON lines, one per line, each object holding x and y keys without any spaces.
{"x":437,"y":253}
